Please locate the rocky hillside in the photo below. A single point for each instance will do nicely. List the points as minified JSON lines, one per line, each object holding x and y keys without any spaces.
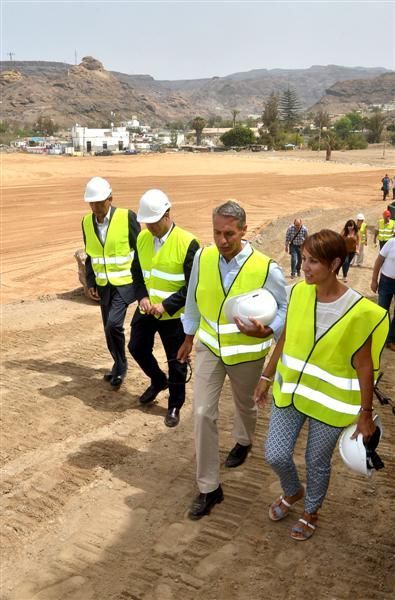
{"x":345,"y":96}
{"x":90,"y":95}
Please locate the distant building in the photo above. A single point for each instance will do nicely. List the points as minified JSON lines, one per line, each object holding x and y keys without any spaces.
{"x":96,"y":140}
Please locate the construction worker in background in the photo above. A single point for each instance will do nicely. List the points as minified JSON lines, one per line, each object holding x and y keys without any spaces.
{"x":161,"y":269}
{"x":110,"y":241}
{"x":363,"y":241}
{"x":225,"y":270}
{"x":385,"y":229}
{"x":294,"y":238}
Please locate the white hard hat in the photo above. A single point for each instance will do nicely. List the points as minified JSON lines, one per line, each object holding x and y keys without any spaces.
{"x":97,"y":189}
{"x":354,"y":452}
{"x":153,"y":205}
{"x":259,"y":304}
{"x":360,"y":217}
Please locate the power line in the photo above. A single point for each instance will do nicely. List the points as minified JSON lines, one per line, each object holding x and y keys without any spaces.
{"x":11,"y":54}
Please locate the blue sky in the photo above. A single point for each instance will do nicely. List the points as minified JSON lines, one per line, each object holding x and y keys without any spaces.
{"x":188,"y":40}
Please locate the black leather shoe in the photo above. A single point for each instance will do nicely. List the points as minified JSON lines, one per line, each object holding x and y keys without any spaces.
{"x":108,"y":376}
{"x":173,"y":417}
{"x":117,"y":380}
{"x":237,"y":456}
{"x":151,"y":393}
{"x":203,"y":503}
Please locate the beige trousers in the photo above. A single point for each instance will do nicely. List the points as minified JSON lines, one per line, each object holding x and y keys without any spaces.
{"x":210,"y":373}
{"x":357,"y":261}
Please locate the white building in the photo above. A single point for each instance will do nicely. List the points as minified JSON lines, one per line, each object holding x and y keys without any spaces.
{"x":96,"y":140}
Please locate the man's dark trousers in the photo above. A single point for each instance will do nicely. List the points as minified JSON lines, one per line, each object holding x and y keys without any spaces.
{"x":114,"y":302}
{"x":144,"y":328}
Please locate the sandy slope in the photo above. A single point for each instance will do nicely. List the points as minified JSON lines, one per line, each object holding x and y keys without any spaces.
{"x":95,"y":489}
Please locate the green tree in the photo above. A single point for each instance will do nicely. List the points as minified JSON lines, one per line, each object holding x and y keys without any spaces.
{"x":45,"y":126}
{"x":290,"y":108}
{"x":271,"y":121}
{"x":235,"y":112}
{"x":198,"y":124}
{"x":357,"y":120}
{"x":356,"y":141}
{"x":343,"y":127}
{"x":375,"y":126}
{"x":238,"y":136}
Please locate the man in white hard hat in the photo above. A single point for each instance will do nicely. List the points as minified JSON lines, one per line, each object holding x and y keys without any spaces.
{"x":227,"y":269}
{"x":110,"y":241}
{"x":161,"y":269}
{"x":363,"y":241}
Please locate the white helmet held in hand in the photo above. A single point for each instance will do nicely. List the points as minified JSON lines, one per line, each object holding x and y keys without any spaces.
{"x":153,"y":205}
{"x":258,"y":304}
{"x":359,"y":456}
{"x":97,"y":189}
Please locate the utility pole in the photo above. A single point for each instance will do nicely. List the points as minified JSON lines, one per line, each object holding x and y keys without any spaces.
{"x":75,"y":56}
{"x":11,"y":54}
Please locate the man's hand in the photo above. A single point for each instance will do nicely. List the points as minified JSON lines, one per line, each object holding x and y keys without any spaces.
{"x":184,"y":351}
{"x":145,"y":305}
{"x":256,"y":329}
{"x":374,"y":286}
{"x":157,"y":309}
{"x":93,"y":295}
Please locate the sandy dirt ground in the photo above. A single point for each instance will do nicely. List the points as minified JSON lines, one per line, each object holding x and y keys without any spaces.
{"x":95,"y":489}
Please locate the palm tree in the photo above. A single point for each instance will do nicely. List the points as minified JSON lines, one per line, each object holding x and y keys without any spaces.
{"x":234,"y":112}
{"x":198,"y":124}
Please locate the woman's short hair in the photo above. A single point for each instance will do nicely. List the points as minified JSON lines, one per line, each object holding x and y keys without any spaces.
{"x":233,"y":210}
{"x":326,"y":245}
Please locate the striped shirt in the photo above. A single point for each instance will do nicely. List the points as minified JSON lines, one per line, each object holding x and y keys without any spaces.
{"x":296,"y":236}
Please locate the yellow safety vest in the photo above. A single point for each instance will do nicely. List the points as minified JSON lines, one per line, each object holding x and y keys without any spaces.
{"x":224,"y":339}
{"x":163,"y":271}
{"x":386,"y":230}
{"x":362,"y":233}
{"x":112,"y":261}
{"x":318,"y":376}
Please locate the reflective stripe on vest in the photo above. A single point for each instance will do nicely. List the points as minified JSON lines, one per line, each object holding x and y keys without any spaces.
{"x":318,"y":376}
{"x":386,"y":230}
{"x":163,"y":271}
{"x":362,"y":233}
{"x":112,"y":261}
{"x":225,"y":339}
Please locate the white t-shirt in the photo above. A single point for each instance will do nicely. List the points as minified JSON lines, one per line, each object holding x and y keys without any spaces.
{"x":388,"y":253}
{"x":329,"y":312}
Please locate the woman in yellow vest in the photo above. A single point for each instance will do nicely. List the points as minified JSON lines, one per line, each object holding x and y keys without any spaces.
{"x":324,"y":366}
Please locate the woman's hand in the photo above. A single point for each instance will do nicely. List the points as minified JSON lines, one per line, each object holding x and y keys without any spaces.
{"x":365,"y":425}
{"x":261,"y":392}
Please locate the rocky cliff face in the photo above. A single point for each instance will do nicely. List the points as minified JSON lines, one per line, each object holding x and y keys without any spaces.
{"x":358,"y":94}
{"x":90,"y":95}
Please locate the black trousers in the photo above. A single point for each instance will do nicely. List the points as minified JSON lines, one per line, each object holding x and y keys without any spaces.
{"x":113,"y":310}
{"x":141,"y":345}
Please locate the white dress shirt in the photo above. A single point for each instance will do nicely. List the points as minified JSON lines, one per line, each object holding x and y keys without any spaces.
{"x":275,"y":284}
{"x":103,"y":227}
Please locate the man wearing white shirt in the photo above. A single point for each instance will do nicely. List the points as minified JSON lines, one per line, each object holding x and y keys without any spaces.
{"x":385,"y":285}
{"x":228,"y":269}
{"x":110,"y":240}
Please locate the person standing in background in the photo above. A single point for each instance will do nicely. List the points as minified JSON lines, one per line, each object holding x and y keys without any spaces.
{"x":350,"y":234}
{"x":294,"y":238}
{"x":110,"y":241}
{"x":363,"y":241}
{"x":385,"y":285}
{"x":385,"y":229}
{"x":385,"y":188}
